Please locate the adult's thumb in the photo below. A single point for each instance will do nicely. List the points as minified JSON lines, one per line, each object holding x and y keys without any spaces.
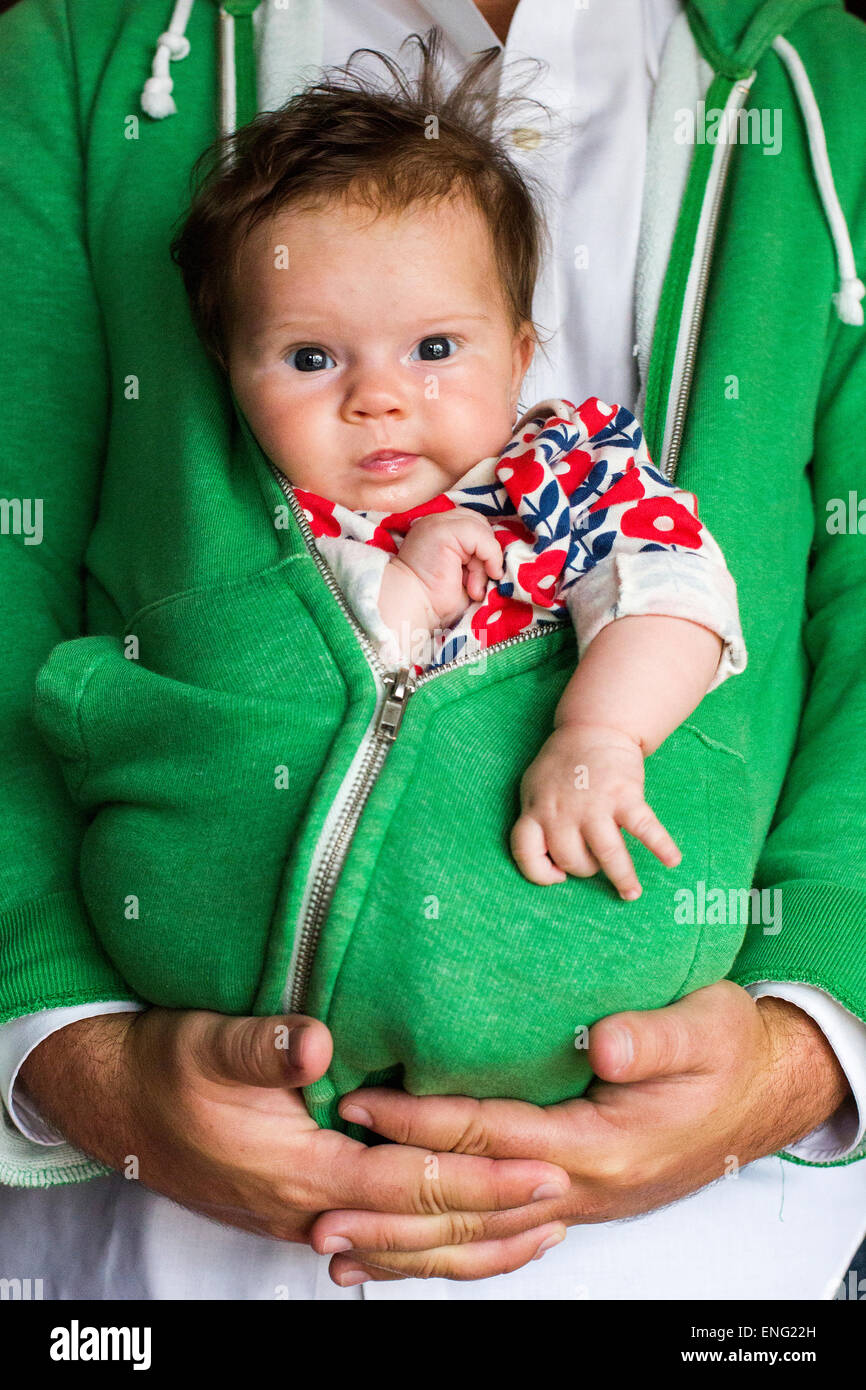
{"x":284,"y":1050}
{"x":640,"y":1045}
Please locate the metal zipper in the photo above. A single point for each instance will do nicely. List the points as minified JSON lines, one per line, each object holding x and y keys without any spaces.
{"x":671,"y":453}
{"x":395,"y":688}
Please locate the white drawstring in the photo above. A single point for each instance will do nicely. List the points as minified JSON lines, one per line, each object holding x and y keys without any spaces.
{"x":851,"y":288}
{"x":156,"y":98}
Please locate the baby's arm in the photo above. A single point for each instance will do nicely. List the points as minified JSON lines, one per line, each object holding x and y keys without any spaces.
{"x":445,"y":557}
{"x":640,"y":677}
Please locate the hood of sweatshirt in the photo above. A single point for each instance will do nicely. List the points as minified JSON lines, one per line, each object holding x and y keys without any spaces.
{"x":733,"y":35}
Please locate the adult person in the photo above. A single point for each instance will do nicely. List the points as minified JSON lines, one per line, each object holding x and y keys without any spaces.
{"x":718,"y":1081}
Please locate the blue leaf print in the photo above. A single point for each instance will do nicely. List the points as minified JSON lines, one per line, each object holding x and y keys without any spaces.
{"x":451,"y":649}
{"x":602,"y":544}
{"x":563,"y":526}
{"x":539,"y":512}
{"x":592,"y":520}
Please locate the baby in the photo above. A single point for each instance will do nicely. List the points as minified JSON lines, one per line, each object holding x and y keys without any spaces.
{"x":376,"y":325}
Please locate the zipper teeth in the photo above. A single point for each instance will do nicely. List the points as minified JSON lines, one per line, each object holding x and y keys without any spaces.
{"x":329,"y":871}
{"x":678,"y":425}
{"x":330,"y":868}
{"x":535,"y":630}
{"x":365,"y":777}
{"x":325,"y":570}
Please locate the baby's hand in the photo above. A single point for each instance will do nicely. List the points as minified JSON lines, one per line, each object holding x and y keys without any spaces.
{"x":587,"y":781}
{"x":451,"y":553}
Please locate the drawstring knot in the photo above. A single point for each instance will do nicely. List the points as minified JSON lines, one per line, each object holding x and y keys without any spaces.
{"x":171,"y":46}
{"x":847,"y":301}
{"x":177,"y":44}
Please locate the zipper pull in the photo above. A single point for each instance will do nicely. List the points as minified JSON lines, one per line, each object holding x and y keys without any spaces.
{"x":395,"y":704}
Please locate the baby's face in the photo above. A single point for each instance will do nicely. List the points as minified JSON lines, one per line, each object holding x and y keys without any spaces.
{"x":354,"y":333}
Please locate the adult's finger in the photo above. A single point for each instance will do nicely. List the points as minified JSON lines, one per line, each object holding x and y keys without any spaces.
{"x":363,"y":1231}
{"x":284,"y":1050}
{"x":462,"y":1125}
{"x":481,"y":1260}
{"x":415,"y":1181}
{"x":679,"y":1038}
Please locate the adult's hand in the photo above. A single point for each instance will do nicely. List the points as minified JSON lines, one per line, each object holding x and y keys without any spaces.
{"x":208,"y":1105}
{"x":686,"y":1094}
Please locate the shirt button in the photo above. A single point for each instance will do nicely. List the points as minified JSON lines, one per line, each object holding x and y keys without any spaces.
{"x":526,"y":137}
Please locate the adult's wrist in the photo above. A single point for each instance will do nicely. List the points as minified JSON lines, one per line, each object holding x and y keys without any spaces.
{"x":79,"y":1078}
{"x":808,"y":1081}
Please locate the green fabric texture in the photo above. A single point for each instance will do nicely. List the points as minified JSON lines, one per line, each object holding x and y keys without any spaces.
{"x":162,"y":800}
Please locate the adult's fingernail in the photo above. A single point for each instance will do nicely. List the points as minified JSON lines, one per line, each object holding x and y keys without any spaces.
{"x":353,"y":1276}
{"x":621,"y":1046}
{"x":335,"y":1243}
{"x":548,"y":1244}
{"x":358,"y":1115}
{"x":547,"y":1189}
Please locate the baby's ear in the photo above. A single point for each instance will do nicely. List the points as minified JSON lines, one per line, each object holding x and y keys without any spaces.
{"x":523,"y":352}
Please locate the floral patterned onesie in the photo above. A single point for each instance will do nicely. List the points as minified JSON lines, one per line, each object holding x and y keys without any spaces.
{"x":589,"y":529}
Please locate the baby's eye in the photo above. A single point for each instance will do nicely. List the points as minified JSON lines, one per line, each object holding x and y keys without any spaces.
{"x":310,"y":359}
{"x":437,"y":346}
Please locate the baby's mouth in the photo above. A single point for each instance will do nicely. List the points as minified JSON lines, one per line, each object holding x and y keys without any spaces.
{"x":387,"y":462}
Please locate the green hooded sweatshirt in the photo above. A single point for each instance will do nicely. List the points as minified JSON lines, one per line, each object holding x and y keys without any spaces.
{"x":216,"y":797}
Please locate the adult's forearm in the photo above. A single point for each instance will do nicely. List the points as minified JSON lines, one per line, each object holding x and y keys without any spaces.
{"x":810,"y":1084}
{"x":78,"y":1077}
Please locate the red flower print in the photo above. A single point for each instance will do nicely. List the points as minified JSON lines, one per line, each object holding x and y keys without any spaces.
{"x":382,"y":540}
{"x":538,"y":577}
{"x":572,"y":469}
{"x":510,"y":528}
{"x":319,"y":512}
{"x":662,"y":519}
{"x":520,"y":476}
{"x":499,"y":617}
{"x":595,"y":414}
{"x":629,"y":489}
{"x":401,"y":521}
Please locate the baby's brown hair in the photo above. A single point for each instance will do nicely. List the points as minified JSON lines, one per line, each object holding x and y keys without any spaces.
{"x":341,"y":138}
